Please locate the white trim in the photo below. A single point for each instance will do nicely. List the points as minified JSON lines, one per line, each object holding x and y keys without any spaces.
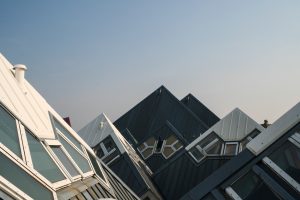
{"x":282,"y":173}
{"x":198,"y":161}
{"x":25,"y":145}
{"x":12,"y":190}
{"x":275,"y":131}
{"x":40,"y":179}
{"x":52,"y":142}
{"x":231,"y":143}
{"x":232,"y":193}
{"x":21,"y":143}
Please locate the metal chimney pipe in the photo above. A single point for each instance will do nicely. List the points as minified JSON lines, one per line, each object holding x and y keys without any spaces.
{"x":20,"y":73}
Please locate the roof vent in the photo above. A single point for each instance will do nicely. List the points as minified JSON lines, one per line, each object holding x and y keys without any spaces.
{"x":20,"y":73}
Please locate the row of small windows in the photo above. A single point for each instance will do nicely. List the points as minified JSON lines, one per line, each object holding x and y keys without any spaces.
{"x":58,"y":161}
{"x":212,"y":145}
{"x":256,"y":183}
{"x":165,"y":147}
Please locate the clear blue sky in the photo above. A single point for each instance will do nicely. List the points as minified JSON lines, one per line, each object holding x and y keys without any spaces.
{"x":88,"y":57}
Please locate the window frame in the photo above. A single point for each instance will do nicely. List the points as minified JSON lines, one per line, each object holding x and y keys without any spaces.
{"x":294,"y":139}
{"x":230,"y":143}
{"x":82,"y":153}
{"x":34,"y":174}
{"x":171,"y":146}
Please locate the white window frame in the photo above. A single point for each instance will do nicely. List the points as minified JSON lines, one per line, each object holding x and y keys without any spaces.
{"x":106,"y":182}
{"x":29,"y":162}
{"x":210,"y":145}
{"x":172,"y":147}
{"x":84,"y":175}
{"x":17,"y":161}
{"x":201,"y":151}
{"x":230,"y":143}
{"x":294,"y":139}
{"x":232,"y":193}
{"x":61,"y":165}
{"x":12,"y":190}
{"x":145,"y":148}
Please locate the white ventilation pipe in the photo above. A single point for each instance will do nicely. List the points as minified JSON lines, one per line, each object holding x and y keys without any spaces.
{"x":20,"y":73}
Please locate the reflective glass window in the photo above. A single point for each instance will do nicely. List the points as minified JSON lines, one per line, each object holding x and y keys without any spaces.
{"x":22,"y":180}
{"x":8,"y":132}
{"x":96,"y":165}
{"x":41,"y":160}
{"x":251,"y":187}
{"x":68,"y":135}
{"x":81,"y":161}
{"x":65,"y":161}
{"x":287,"y":157}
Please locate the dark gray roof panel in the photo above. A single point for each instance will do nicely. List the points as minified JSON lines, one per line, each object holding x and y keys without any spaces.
{"x":152,"y":112}
{"x":199,"y":109}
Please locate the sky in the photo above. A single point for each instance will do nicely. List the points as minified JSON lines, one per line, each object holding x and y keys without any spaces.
{"x":89,"y":57}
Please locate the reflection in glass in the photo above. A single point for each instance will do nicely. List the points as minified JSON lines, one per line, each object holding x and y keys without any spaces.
{"x":41,"y":160}
{"x":287,"y":157}
{"x":8,"y":132}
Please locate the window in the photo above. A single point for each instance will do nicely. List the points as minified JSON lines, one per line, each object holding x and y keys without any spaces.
{"x":146,"y":149}
{"x":41,"y":160}
{"x":250,"y":186}
{"x":9,"y":133}
{"x":67,"y":134}
{"x":231,"y":148}
{"x":96,"y":166}
{"x":159,"y":145}
{"x":22,"y":180}
{"x":57,"y":150}
{"x":211,"y":145}
{"x":287,"y":158}
{"x":171,"y":146}
{"x":80,"y":160}
{"x":196,"y":154}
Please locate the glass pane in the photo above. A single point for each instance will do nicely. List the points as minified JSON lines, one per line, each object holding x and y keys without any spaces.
{"x":196,"y":153}
{"x":22,"y":180}
{"x":168,"y":151}
{"x":230,"y":149}
{"x":95,"y":165}
{"x":208,"y":139}
{"x":65,"y":161}
{"x":177,"y":145}
{"x":41,"y":160}
{"x":170,"y":140}
{"x":150,"y":141}
{"x":287,"y":157}
{"x":66,"y":133}
{"x":8,"y":132}
{"x":109,"y":144}
{"x":251,"y":187}
{"x":76,"y":156}
{"x":141,"y":147}
{"x":147,"y":152}
{"x":214,"y":149}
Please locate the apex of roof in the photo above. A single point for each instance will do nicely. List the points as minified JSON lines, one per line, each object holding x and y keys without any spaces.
{"x":233,"y":127}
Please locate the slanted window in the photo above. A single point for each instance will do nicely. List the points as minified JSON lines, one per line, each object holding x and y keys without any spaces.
{"x":41,"y":160}
{"x":146,"y":149}
{"x":96,"y":166}
{"x":79,"y":159}
{"x":63,"y":158}
{"x":67,"y":134}
{"x":211,"y":145}
{"x":172,"y":144}
{"x":22,"y":180}
{"x":196,"y":154}
{"x":231,"y":148}
{"x":250,"y":186}
{"x":9,"y":133}
{"x":286,"y":162}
